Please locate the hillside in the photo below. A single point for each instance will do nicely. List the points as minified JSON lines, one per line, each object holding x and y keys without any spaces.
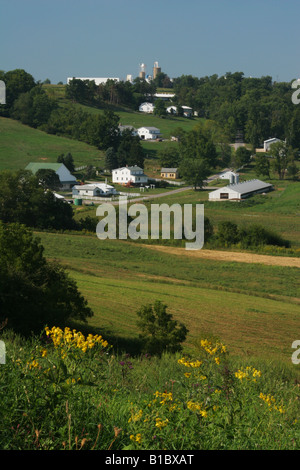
{"x":20,"y":144}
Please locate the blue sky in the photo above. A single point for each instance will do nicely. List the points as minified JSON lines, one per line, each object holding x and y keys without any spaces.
{"x":57,"y":39}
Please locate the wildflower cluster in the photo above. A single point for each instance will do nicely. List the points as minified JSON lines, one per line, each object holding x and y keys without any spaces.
{"x":215,"y":350}
{"x":271,"y":402}
{"x":248,"y":373}
{"x":68,"y":338}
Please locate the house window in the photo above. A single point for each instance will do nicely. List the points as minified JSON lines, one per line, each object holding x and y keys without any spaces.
{"x":223,"y":195}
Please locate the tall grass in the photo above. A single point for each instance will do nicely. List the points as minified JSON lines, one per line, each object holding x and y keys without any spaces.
{"x":69,"y":391}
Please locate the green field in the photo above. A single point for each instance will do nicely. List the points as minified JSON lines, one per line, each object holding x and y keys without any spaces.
{"x":20,"y":144}
{"x":253,"y":308}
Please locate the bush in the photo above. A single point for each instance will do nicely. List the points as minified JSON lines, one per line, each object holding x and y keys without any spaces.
{"x":159,"y":331}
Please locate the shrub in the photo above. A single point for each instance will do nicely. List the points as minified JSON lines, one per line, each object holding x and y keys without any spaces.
{"x":159,"y":331}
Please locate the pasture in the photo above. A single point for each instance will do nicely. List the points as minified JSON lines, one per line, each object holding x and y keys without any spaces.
{"x":253,"y":308}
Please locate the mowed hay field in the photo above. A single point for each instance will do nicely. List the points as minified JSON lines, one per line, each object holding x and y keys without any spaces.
{"x":253,"y":308}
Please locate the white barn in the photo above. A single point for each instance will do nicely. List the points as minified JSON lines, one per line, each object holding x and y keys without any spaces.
{"x":146,"y":108}
{"x":240,"y":191}
{"x":132,"y":174}
{"x":94,"y":190}
{"x":148,"y":133}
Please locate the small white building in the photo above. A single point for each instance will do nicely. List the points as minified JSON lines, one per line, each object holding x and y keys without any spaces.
{"x":67,"y":180}
{"x":229,"y":175}
{"x":94,"y":190}
{"x":187,"y":111}
{"x":129,"y":174}
{"x":172,"y":109}
{"x":146,"y":108}
{"x":269,"y":142}
{"x":240,"y":191}
{"x":148,"y":133}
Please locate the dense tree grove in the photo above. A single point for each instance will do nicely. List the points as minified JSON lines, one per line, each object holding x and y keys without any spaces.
{"x":24,"y":200}
{"x":258,"y":107}
{"x":33,"y":291}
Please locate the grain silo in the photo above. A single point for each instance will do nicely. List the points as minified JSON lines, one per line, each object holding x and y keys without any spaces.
{"x":142,"y":74}
{"x":156,"y":70}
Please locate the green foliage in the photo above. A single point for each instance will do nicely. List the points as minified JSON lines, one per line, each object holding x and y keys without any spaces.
{"x":24,"y":200}
{"x":159,"y":108}
{"x":253,"y":236}
{"x":159,"y":331}
{"x":34,"y":292}
{"x":67,"y":160}
{"x":48,"y":178}
{"x":262,"y":165}
{"x":33,"y":108}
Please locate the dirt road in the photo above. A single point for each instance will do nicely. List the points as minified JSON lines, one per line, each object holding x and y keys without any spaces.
{"x":230,"y":256}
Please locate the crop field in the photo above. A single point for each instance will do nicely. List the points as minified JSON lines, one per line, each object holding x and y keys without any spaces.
{"x":253,"y":308}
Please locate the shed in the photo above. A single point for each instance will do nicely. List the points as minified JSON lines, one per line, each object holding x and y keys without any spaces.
{"x":169,"y":173}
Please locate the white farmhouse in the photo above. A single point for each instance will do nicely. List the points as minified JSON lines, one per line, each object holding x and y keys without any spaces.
{"x":148,"y":133}
{"x":94,"y":190}
{"x":129,"y":174}
{"x":146,"y":108}
{"x":67,"y":180}
{"x":240,"y":191}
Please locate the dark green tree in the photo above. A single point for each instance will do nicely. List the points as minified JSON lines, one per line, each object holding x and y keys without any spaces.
{"x":159,"y":331}
{"x":194,"y":171}
{"x":262,"y":165}
{"x":111,"y":159}
{"x":24,"y":200}
{"x":49,"y":179}
{"x":33,"y":292}
{"x":160,"y":109}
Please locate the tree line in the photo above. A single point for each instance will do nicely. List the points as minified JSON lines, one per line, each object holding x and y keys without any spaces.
{"x":258,"y":108}
{"x":28,"y":102}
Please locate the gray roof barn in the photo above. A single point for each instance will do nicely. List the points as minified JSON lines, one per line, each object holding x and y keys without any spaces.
{"x":240,"y":190}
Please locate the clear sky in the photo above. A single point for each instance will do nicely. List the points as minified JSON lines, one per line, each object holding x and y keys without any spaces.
{"x":57,"y":39}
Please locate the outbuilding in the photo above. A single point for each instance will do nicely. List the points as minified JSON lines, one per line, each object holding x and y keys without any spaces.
{"x":239,"y":191}
{"x":67,"y":180}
